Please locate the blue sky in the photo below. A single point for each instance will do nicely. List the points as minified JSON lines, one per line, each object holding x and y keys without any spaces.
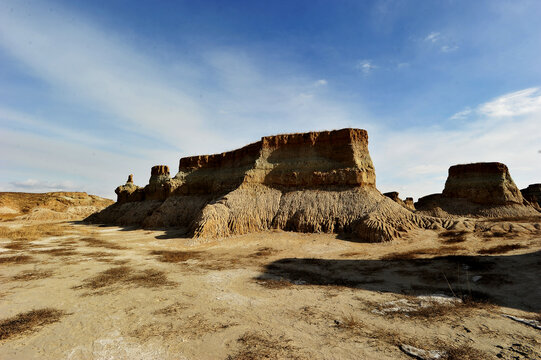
{"x":91,"y":91}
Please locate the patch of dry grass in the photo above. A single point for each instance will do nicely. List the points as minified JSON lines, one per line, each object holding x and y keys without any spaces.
{"x":16,"y":259}
{"x":170,"y":256}
{"x":173,"y":309}
{"x":32,"y":275}
{"x":453,"y":236}
{"x":461,"y":352}
{"x":57,"y":252}
{"x":264,"y":251}
{"x":274,"y":283}
{"x":502,"y":249}
{"x":125,"y":275}
{"x":28,"y":322}
{"x":351,"y":253}
{"x":414,"y":254}
{"x":32,"y":232}
{"x":256,"y":346}
{"x":18,"y":245}
{"x":192,"y":327}
{"x":93,"y":242}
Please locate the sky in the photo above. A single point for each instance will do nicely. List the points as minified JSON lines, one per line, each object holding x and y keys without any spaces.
{"x":91,"y":91}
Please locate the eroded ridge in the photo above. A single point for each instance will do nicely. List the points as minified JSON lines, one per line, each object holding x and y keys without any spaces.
{"x":310,"y":182}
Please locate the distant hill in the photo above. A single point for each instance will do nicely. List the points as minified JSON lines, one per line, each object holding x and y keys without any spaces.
{"x":50,"y":206}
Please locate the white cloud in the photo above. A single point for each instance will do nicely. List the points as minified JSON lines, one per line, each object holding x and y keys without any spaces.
{"x":517,"y":103}
{"x":366,"y":66}
{"x":220,"y":102}
{"x":448,"y":48}
{"x":506,"y":129}
{"x":34,"y":185}
{"x":433,"y":37}
{"x":461,"y":114}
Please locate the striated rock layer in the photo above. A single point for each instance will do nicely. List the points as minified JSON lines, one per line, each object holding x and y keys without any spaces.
{"x":310,"y":182}
{"x":479,"y":189}
{"x":533,"y":194}
{"x":51,"y":206}
{"x":482,"y":183}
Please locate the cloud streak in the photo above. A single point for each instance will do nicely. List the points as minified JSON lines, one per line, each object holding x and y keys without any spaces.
{"x":504,"y":129}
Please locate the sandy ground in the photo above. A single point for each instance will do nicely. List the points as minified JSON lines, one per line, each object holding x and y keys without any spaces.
{"x":139,"y":294}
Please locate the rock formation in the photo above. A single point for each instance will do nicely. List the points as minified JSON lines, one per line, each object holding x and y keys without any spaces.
{"x":310,"y":182}
{"x":479,"y":189}
{"x":482,"y":183}
{"x":533,"y":194}
{"x":408,"y":203}
{"x":51,"y":206}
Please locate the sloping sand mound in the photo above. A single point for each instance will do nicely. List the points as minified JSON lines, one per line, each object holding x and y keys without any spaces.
{"x":51,"y":206}
{"x":311,"y":182}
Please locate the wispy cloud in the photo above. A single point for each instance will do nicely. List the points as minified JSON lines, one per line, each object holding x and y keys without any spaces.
{"x":433,"y":37}
{"x":448,"y":48}
{"x":461,"y":114}
{"x":223,"y":100}
{"x":505,"y":129}
{"x":517,"y":103}
{"x":34,"y":185}
{"x":445,"y":44}
{"x":366,"y":66}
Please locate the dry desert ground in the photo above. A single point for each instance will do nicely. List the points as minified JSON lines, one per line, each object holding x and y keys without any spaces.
{"x":69,"y":290}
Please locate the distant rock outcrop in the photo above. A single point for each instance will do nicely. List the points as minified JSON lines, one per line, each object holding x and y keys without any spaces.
{"x":479,"y":189}
{"x":51,"y":206}
{"x":407,"y":203}
{"x":533,"y":194}
{"x":482,"y":183}
{"x":311,"y":182}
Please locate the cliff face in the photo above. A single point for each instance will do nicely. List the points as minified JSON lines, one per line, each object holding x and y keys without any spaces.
{"x":482,"y":183}
{"x":310,"y":182}
{"x":533,"y":194}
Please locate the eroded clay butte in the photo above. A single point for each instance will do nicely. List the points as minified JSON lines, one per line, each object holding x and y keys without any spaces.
{"x":478,"y":189}
{"x":310,"y":182}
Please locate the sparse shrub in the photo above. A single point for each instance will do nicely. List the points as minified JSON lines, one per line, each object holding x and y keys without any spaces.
{"x":28,"y":321}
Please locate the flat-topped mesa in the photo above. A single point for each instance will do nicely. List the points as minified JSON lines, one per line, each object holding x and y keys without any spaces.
{"x":311,"y":182}
{"x":482,"y":183}
{"x":477,"y":190}
{"x":533,"y":194}
{"x":337,"y":158}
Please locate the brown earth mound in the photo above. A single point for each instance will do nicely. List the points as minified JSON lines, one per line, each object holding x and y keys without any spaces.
{"x":50,"y":206}
{"x":480,"y":189}
{"x":533,"y":194}
{"x":310,"y":182}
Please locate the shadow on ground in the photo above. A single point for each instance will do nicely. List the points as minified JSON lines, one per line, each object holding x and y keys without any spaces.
{"x":169,"y":233}
{"x":511,"y":281}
